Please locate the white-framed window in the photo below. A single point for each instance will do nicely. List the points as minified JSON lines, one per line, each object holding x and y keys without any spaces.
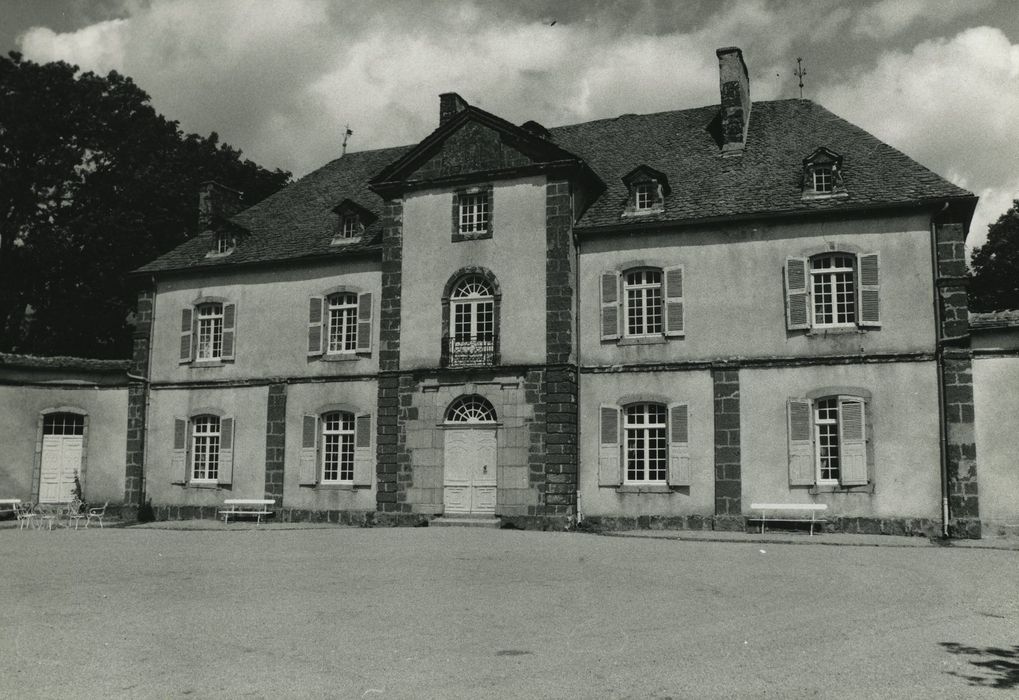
{"x":471,"y":409}
{"x":646,"y":443}
{"x":833,"y":290}
{"x":205,"y":444}
{"x":224,"y":243}
{"x":337,"y":447}
{"x":342,"y":322}
{"x":642,"y":290}
{"x":472,"y":323}
{"x":210,"y":332}
{"x":350,"y":226}
{"x":828,"y":441}
{"x":473,"y":213}
{"x":823,"y":180}
{"x":643,"y":196}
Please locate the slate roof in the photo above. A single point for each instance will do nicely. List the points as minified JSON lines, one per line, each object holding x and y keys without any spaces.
{"x":994,"y":319}
{"x":63,"y":363}
{"x":298,"y":222}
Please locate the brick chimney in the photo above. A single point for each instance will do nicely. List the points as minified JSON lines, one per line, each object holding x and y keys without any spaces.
{"x":450,"y":104}
{"x":734,"y":83}
{"x":216,"y":202}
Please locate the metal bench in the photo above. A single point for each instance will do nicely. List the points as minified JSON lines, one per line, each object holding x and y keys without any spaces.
{"x":247,"y":507}
{"x":814,"y":508}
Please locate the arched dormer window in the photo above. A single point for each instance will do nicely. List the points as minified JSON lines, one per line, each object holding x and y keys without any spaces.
{"x":351,"y":222}
{"x":470,"y":307}
{"x":822,"y":175}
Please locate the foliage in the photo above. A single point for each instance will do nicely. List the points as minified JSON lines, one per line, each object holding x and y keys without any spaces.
{"x":994,"y":285}
{"x":93,"y":184}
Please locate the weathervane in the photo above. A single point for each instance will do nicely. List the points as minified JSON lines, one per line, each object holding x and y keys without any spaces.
{"x":799,"y":73}
{"x":347,"y":133}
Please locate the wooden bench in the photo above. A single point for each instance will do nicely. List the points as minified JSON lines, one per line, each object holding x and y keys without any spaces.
{"x":814,"y":508}
{"x":247,"y":507}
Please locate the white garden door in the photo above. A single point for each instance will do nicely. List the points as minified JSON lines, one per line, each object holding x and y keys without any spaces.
{"x":469,"y":471}
{"x":61,"y":460}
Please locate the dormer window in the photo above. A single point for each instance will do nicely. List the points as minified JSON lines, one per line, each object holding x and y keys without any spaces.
{"x":351,"y":222}
{"x":647,"y":189}
{"x":822,"y":175}
{"x":351,"y":226}
{"x":224,"y":243}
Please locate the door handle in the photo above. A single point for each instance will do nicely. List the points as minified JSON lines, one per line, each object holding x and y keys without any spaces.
{"x":484,"y":469}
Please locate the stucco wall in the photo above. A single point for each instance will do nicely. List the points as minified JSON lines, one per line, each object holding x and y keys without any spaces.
{"x":694,"y":388}
{"x":997,"y":419}
{"x":246,"y":405}
{"x":271,"y":323}
{"x":104,"y":448}
{"x":515,"y":254}
{"x":734,"y":294}
{"x":904,"y":437}
{"x":311,"y":399}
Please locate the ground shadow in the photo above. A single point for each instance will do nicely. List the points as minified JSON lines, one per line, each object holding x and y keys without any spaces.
{"x":996,"y":667}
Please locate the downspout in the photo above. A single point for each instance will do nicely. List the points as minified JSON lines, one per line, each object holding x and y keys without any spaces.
{"x":576,"y":340}
{"x":940,"y":363}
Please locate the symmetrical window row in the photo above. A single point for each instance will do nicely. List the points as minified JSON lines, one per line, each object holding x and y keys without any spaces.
{"x":828,"y":441}
{"x":645,"y":443}
{"x":202,"y":450}
{"x":336,"y":449}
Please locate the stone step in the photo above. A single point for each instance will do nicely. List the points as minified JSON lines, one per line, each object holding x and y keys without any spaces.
{"x":466,"y":521}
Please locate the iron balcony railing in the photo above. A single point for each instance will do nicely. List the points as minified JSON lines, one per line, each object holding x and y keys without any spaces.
{"x":469,"y":353}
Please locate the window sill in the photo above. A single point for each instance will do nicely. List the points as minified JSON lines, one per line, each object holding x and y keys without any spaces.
{"x":334,"y":487}
{"x":637,"y":213}
{"x":835,"y":488}
{"x":837,"y":194}
{"x":346,"y":241}
{"x":823,"y":332}
{"x":646,"y":488}
{"x":643,"y":340}
{"x":207,"y":364}
{"x":461,"y":237}
{"x":215,"y":254}
{"x":340,"y":357}
{"x":207,"y":486}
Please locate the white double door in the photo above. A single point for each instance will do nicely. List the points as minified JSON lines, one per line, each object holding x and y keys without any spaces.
{"x":61,"y":460}
{"x":469,"y":471}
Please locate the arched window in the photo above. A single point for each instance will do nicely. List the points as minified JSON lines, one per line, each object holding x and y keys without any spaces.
{"x":471,"y":341}
{"x":471,"y":409}
{"x":337,"y":447}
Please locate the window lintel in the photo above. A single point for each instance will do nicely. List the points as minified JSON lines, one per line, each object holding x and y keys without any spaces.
{"x":839,"y":392}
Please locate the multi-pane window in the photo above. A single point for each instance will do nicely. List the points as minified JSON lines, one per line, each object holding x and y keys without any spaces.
{"x":205,"y":441}
{"x":644,"y":196}
{"x":834,"y":293}
{"x":646,"y":443}
{"x":474,"y":213}
{"x":472,"y":319}
{"x":642,"y":290}
{"x":823,"y":180}
{"x":342,"y":319}
{"x":224,"y":243}
{"x":351,"y":226}
{"x":210,"y":332}
{"x":338,"y":446}
{"x":63,"y":424}
{"x":470,"y":409}
{"x":826,"y":426}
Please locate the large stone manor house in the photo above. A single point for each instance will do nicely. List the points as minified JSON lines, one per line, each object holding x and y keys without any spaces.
{"x":652,"y":320}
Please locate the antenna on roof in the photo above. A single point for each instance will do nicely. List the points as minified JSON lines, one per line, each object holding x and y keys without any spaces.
{"x":799,"y":73}
{"x":347,"y":133}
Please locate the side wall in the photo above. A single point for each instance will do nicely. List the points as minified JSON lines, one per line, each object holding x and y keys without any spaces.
{"x":997,"y":417}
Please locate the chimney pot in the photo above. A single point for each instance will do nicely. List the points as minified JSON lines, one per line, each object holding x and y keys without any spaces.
{"x":450,"y":104}
{"x":216,"y":201}
{"x":734,"y":85}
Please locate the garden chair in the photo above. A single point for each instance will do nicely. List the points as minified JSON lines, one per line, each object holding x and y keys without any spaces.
{"x":96,"y":514}
{"x":26,"y":515}
{"x":76,"y":512}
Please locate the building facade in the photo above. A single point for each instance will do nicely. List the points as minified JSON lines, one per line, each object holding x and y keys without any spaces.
{"x":653,"y":320}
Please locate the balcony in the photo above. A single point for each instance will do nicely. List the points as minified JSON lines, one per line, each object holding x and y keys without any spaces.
{"x":459,"y":353}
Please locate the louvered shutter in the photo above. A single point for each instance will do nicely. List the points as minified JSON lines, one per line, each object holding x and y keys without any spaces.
{"x":364,"y":322}
{"x":315,"y":325}
{"x":801,"y":443}
{"x":226,"y":451}
{"x":610,"y":305}
{"x":185,"y":334}
{"x":869,"y":297}
{"x":673,"y":294}
{"x":179,"y":457}
{"x":308,"y":473}
{"x":852,"y":442}
{"x":229,"y":324}
{"x":679,"y":444}
{"x":363,"y":450}
{"x":609,"y":467}
{"x":797,"y":311}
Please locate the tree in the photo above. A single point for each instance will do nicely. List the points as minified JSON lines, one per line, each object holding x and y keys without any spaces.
{"x":93,"y":184}
{"x":994,"y":283}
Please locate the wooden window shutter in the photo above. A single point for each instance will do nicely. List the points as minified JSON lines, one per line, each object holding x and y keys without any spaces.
{"x":315,"y":325}
{"x":679,"y":444}
{"x":610,"y":305}
{"x":673,"y":295}
{"x":363,"y":461}
{"x":226,"y":451}
{"x":229,"y":324}
{"x":609,"y":464}
{"x":797,"y":298}
{"x":179,"y":457}
{"x":364,"y":322}
{"x":852,"y":442}
{"x":801,"y":442}
{"x":185,"y":334}
{"x":308,"y":472}
{"x":869,"y":296}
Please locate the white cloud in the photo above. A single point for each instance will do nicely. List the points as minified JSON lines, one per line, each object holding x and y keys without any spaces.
{"x":890,"y":17}
{"x":98,"y":47}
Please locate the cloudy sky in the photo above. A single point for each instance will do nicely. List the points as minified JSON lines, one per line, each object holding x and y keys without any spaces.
{"x":279,"y":79}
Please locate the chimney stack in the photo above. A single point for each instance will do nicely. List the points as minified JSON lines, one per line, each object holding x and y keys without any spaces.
{"x":216,"y":202}
{"x":450,"y":104}
{"x":734,"y":83}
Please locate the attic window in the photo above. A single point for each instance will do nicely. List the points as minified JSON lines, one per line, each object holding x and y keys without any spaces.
{"x":647,"y":189}
{"x":223,"y":244}
{"x":822,"y":175}
{"x":351,"y":221}
{"x":351,"y":226}
{"x":823,"y":181}
{"x":644,"y":196}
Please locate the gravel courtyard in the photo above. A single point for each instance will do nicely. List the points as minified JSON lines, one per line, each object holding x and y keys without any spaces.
{"x":465,"y":613}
